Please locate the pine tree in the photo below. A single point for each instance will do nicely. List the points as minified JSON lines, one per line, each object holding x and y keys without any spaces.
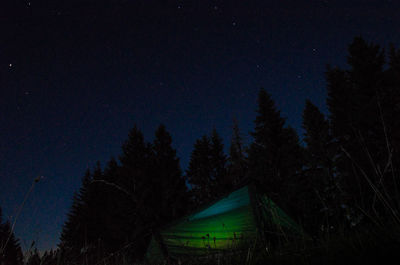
{"x":110,"y":173}
{"x":168,"y":183}
{"x":34,"y":258}
{"x":220,"y":178}
{"x":322,"y":198}
{"x":359,"y":102}
{"x":316,"y":136}
{"x":389,"y":103}
{"x":198,"y":173}
{"x":207,"y":171}
{"x":135,"y":151}
{"x":10,"y":250}
{"x":115,"y":225}
{"x":96,"y":202}
{"x":135,"y":180}
{"x":73,"y":240}
{"x":237,"y":164}
{"x":275,"y":156}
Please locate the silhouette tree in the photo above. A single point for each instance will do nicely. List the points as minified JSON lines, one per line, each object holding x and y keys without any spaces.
{"x":237,"y":163}
{"x":123,"y":204}
{"x":275,"y":156}
{"x":169,"y":193}
{"x":361,"y":101}
{"x":135,"y":181}
{"x":207,"y":173}
{"x":218,"y":159}
{"x":199,"y":170}
{"x":115,"y":203}
{"x":322,"y":196}
{"x":34,"y":258}
{"x":73,"y":239}
{"x":10,"y":250}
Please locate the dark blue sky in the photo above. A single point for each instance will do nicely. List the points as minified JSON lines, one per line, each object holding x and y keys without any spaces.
{"x":75,"y":76}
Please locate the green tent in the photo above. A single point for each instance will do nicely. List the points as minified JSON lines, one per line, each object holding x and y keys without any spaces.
{"x":233,"y":222}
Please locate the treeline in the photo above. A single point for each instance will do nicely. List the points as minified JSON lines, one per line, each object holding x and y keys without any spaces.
{"x":344,"y":174}
{"x":10,"y":250}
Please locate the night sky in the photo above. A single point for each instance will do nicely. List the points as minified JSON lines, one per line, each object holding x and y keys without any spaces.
{"x":75,"y":76}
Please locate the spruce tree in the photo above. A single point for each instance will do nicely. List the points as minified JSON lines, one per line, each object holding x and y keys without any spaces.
{"x":34,"y":258}
{"x":321,"y":197}
{"x":96,"y":202}
{"x":135,"y":181}
{"x":360,"y":101}
{"x":10,"y":250}
{"x":275,"y":155}
{"x":390,"y":98}
{"x":115,"y":202}
{"x":207,"y":171}
{"x":237,"y":161}
{"x":74,"y":235}
{"x":135,"y":151}
{"x":199,"y":173}
{"x":222,"y":183}
{"x":168,"y":198}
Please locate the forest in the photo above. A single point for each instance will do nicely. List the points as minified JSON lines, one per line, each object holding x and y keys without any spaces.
{"x":340,"y":180}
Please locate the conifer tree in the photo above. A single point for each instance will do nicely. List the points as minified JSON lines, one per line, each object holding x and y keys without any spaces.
{"x":73,"y":240}
{"x":34,"y":258}
{"x":207,"y":171}
{"x":237,"y":164}
{"x":135,"y":181}
{"x":322,"y":196}
{"x":198,"y":173}
{"x":10,"y":250}
{"x":110,"y":173}
{"x":135,"y":151}
{"x":168,"y":182}
{"x":222,"y":181}
{"x":275,"y":156}
{"x":359,"y":105}
{"x":96,"y":201}
{"x":115,"y":223}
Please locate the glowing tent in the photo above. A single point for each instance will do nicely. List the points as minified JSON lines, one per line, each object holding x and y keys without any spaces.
{"x":233,"y":222}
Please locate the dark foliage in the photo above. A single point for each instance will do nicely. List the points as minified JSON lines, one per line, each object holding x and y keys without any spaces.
{"x":347,"y":171}
{"x":363,"y":102}
{"x":275,"y":156}
{"x":322,"y":197}
{"x":10,"y":250}
{"x":74,"y":236}
{"x":237,"y":160}
{"x":120,"y":207}
{"x":207,"y":171}
{"x":169,"y":198}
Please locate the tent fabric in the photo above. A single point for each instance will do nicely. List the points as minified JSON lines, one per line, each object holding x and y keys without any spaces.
{"x":275,"y":220}
{"x":232,"y":222}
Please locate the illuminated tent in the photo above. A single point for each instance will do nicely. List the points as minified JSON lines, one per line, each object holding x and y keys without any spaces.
{"x":235,"y":221}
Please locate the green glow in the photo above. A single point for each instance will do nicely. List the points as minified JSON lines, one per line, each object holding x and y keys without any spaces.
{"x":235,"y":200}
{"x":225,"y":225}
